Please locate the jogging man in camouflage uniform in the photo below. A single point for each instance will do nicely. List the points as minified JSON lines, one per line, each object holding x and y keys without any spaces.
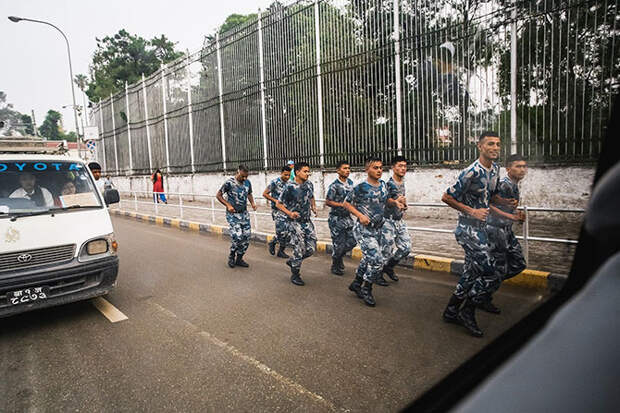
{"x":505,"y":248}
{"x":272,"y":193}
{"x":340,"y":220}
{"x":296,"y":201}
{"x":367,"y":202}
{"x":471,"y":196}
{"x":395,"y":229}
{"x":234,"y":195}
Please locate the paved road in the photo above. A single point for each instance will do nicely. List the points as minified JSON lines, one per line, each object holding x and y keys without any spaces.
{"x":201,"y":336}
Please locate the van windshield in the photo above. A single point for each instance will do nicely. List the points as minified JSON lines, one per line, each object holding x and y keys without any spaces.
{"x":28,"y":187}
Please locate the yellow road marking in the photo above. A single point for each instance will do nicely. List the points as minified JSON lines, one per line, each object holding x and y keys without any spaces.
{"x":108,"y":310}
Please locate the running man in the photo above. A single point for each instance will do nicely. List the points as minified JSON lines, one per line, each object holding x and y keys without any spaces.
{"x":272,"y":193}
{"x":395,"y":229}
{"x":340,"y":220}
{"x":367,"y":202}
{"x":238,"y":190}
{"x":296,"y":201}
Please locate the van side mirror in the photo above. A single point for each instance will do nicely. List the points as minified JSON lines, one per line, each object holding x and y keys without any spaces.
{"x":111,"y":196}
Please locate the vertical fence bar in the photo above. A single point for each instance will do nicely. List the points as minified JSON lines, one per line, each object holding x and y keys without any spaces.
{"x":190,"y":116}
{"x":105,"y":166}
{"x":526,"y":234}
{"x":128,"y":127}
{"x":212,"y":211}
{"x":163,"y":96}
{"x":399,"y":114}
{"x":513,"y":79}
{"x":317,"y":37}
{"x":220,"y":91}
{"x":181,"y":206}
{"x":262,"y":85}
{"x":114,"y":134}
{"x":135,"y":201}
{"x":146,"y":124}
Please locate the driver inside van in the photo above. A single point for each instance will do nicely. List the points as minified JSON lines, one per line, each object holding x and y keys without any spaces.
{"x":30,"y":190}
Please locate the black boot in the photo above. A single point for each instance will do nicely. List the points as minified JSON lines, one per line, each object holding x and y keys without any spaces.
{"x":335,"y":267}
{"x":450,"y":314}
{"x":381,"y":281}
{"x":467,"y":317}
{"x":341,"y":263}
{"x":389,"y":269}
{"x":231,"y":260}
{"x":272,"y":247}
{"x":356,"y":286}
{"x":240,"y":262}
{"x":369,"y":300}
{"x":295,"y":278}
{"x":488,"y":306}
{"x":281,"y":252}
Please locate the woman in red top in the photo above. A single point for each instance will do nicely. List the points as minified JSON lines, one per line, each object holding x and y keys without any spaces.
{"x":158,"y":187}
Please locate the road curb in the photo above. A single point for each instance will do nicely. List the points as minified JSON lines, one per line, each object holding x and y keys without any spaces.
{"x":528,"y":278}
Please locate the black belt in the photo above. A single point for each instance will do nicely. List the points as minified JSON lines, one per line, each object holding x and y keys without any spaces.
{"x":340,"y":214}
{"x":472,"y":221}
{"x":502,"y":226}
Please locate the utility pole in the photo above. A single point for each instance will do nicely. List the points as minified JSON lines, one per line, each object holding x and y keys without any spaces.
{"x":34,"y":124}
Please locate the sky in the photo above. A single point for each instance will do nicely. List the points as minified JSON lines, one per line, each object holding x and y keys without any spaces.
{"x":34,"y":68}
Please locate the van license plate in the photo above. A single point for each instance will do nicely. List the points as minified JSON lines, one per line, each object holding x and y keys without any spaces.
{"x":28,"y":295}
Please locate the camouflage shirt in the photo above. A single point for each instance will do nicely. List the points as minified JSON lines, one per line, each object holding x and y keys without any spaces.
{"x":475,"y":186}
{"x":508,"y":189}
{"x":276,"y":187}
{"x":369,"y":200}
{"x":394,"y":191}
{"x":236,"y":193}
{"x":337,"y":192}
{"x":296,"y":198}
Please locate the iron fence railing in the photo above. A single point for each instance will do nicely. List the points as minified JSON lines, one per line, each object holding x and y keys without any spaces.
{"x":320,"y":80}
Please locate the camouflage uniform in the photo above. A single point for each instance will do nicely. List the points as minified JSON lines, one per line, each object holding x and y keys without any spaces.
{"x":505,"y":249}
{"x":395,"y":229}
{"x":370,"y":201}
{"x":474,"y":187}
{"x":296,"y":198}
{"x":340,"y":220}
{"x":236,"y":193}
{"x":275,"y":189}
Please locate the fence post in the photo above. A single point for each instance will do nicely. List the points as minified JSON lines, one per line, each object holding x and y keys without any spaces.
{"x":128,"y":128}
{"x":135,"y":200}
{"x":181,"y":206}
{"x":219,"y":79}
{"x":114,"y":134}
{"x":212,"y":211}
{"x":189,"y":114}
{"x":526,"y":234}
{"x":262,"y":85}
{"x":146,"y":124}
{"x":513,"y":79}
{"x":163,"y":96}
{"x":317,"y":39}
{"x":105,"y":166}
{"x":399,"y":118}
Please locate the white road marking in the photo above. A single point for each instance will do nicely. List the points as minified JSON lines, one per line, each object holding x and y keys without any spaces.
{"x":253,"y":362}
{"x":108,"y":310}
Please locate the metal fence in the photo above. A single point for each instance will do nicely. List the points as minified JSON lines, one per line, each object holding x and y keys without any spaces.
{"x":319,"y":80}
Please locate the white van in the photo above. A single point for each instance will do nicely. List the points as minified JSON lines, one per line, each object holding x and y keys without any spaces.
{"x":57,"y":243}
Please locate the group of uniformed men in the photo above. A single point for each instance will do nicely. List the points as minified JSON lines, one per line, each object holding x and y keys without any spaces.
{"x":487,"y":208}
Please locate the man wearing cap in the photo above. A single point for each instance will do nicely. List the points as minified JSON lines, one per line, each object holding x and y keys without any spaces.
{"x":95,"y":168}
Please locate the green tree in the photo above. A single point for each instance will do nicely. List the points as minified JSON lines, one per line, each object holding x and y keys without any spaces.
{"x":26,"y":122}
{"x":50,"y":128}
{"x":124,"y":57}
{"x":14,"y":121}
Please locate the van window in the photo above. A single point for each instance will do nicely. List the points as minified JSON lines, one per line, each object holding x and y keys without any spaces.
{"x":39,"y":186}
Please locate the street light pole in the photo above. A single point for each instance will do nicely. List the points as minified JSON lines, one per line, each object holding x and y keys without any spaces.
{"x":15,"y":19}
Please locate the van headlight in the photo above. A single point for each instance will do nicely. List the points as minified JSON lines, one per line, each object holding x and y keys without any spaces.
{"x":99,"y":247}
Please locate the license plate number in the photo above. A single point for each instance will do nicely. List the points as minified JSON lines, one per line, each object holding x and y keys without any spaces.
{"x":28,"y":295}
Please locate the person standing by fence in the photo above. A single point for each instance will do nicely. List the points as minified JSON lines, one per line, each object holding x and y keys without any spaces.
{"x":272,"y":193}
{"x":158,"y":187}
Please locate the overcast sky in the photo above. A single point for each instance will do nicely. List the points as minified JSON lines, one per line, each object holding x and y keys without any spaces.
{"x":34,"y":71}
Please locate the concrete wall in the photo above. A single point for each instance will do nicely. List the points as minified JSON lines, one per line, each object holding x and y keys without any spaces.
{"x":559,"y":187}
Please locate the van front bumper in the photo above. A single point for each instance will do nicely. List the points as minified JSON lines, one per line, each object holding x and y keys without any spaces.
{"x":73,"y":281}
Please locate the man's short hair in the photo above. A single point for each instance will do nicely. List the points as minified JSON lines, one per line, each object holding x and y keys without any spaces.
{"x":285,"y":168}
{"x":94,"y":166}
{"x":342,"y":162}
{"x":300,"y":165}
{"x":398,"y":159}
{"x":488,"y":134}
{"x":372,"y":160}
{"x":243,"y":168}
{"x":515,"y":157}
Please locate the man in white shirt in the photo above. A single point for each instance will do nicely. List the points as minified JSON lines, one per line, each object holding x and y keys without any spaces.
{"x":30,"y":190}
{"x":95,"y":168}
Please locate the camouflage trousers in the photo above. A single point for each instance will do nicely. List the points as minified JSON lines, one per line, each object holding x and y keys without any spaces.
{"x":341,"y":229}
{"x":506,"y":252}
{"x":240,"y":231}
{"x":396,"y":235}
{"x":374,"y":251}
{"x":479,"y":279}
{"x":302,"y":240}
{"x":282,"y":234}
